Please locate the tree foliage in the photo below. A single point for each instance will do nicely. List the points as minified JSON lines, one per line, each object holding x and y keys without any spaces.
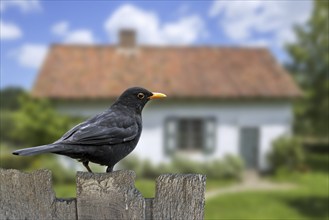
{"x":27,"y":122}
{"x":310,"y":66}
{"x":38,"y":123}
{"x":287,"y":153}
{"x":35,"y":122}
{"x":9,"y":98}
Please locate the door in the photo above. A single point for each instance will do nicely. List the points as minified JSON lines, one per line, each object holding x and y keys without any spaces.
{"x":249,"y":145}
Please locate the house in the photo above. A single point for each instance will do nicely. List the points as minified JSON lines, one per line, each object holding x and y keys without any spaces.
{"x":221,"y":100}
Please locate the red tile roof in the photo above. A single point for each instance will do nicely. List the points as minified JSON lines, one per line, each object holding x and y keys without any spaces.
{"x":190,"y":72}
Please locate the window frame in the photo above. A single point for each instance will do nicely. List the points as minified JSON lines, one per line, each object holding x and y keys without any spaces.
{"x":169,"y":136}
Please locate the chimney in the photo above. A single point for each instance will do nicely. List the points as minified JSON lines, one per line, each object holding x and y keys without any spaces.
{"x":127,"y":38}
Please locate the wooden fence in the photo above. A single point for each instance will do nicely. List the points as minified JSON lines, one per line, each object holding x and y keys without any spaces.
{"x":100,"y":196}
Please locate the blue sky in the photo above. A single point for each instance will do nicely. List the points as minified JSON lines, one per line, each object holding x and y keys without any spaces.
{"x":29,"y":27}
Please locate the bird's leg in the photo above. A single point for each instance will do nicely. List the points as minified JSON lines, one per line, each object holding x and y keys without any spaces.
{"x":85,"y":163}
{"x":109,"y":169}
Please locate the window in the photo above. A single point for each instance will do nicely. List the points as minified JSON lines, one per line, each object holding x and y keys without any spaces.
{"x":190,"y":134}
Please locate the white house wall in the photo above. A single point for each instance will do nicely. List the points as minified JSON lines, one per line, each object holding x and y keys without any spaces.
{"x":272,"y":118}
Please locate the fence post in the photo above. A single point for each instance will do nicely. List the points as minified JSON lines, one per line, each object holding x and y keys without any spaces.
{"x":179,"y":196}
{"x":31,"y":196}
{"x":100,"y":196}
{"x":109,"y":195}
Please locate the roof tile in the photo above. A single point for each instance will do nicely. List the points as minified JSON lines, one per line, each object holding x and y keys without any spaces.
{"x":215,"y":72}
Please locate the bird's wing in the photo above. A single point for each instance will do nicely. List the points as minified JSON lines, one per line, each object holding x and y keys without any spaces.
{"x":70,"y":132}
{"x":97,"y":134}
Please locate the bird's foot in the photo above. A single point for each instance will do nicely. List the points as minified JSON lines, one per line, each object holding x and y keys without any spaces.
{"x":109,"y":169}
{"x":85,"y":163}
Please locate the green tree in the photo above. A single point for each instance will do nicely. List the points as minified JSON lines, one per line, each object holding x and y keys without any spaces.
{"x":9,"y":102}
{"x":287,"y":154}
{"x":310,"y":66}
{"x":37,"y":123}
{"x":9,"y":98}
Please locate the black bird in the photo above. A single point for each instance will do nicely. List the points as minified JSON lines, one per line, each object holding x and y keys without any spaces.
{"x":105,"y":138}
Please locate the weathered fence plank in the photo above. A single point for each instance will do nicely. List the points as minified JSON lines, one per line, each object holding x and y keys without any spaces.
{"x":31,"y":196}
{"x":149,"y":208}
{"x":179,"y":196}
{"x":65,"y":209}
{"x":104,"y":195}
{"x":100,"y":196}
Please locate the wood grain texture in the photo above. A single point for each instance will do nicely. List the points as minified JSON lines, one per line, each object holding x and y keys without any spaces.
{"x":179,"y":196}
{"x":100,"y":196}
{"x":65,"y":209}
{"x":109,"y":196}
{"x":149,"y":208}
{"x":31,"y":196}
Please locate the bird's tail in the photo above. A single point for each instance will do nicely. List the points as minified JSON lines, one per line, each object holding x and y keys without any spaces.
{"x":36,"y":150}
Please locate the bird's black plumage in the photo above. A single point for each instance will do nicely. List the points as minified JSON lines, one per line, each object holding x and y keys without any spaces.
{"x":105,"y":138}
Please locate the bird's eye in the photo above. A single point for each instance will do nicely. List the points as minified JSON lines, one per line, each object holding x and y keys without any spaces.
{"x":140,"y":95}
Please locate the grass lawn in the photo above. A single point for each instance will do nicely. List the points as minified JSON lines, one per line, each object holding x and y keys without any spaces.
{"x":308,"y":201}
{"x":65,"y":190}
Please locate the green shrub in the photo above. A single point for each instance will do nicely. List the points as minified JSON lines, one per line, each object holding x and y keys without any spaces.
{"x":142,"y":168}
{"x":148,"y":170}
{"x":7,"y":126}
{"x":230,"y":167}
{"x":51,"y":162}
{"x":214,"y":169}
{"x":318,"y":162}
{"x":287,"y":154}
{"x":9,"y":98}
{"x":131,"y":163}
{"x":36,"y":122}
{"x":316,"y":145}
{"x":183,"y":165}
{"x":233,"y":167}
{"x":9,"y":161}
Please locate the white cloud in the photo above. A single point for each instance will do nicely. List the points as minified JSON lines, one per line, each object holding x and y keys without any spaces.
{"x":30,"y":55}
{"x":9,"y":31}
{"x":23,"y":5}
{"x":242,"y":21}
{"x":185,"y":30}
{"x":60,"y":28}
{"x":79,"y":36}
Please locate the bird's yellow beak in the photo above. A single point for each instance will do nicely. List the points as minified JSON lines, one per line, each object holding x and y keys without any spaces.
{"x":157,"y":95}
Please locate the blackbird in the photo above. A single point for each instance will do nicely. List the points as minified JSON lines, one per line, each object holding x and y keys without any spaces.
{"x":105,"y":138}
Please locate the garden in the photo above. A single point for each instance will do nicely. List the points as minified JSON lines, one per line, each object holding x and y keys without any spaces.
{"x":305,"y":167}
{"x":300,"y":162}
